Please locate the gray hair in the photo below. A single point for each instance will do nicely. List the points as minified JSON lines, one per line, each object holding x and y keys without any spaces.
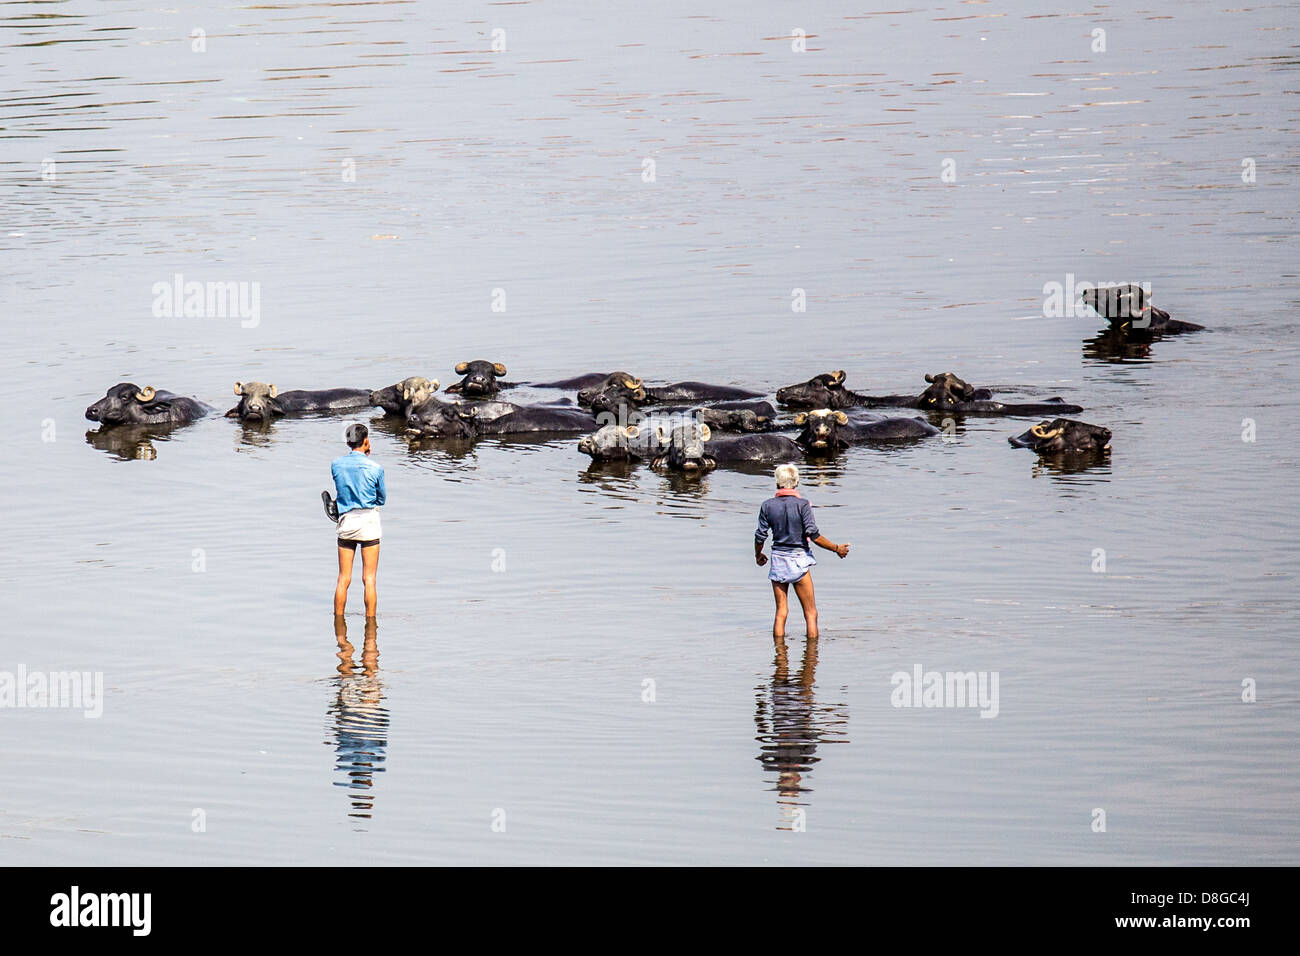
{"x":787,"y":476}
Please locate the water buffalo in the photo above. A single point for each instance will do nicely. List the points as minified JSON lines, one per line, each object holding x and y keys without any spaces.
{"x":260,"y":402}
{"x":1126,"y":308}
{"x":622,"y":389}
{"x":1064,"y":436}
{"x":437,"y":419}
{"x":945,"y":392}
{"x":587,"y":380}
{"x":128,"y":404}
{"x":399,"y":399}
{"x":826,"y":431}
{"x":690,"y":446}
{"x":737,"y":416}
{"x":621,"y":443}
{"x":479,"y":379}
{"x":477,"y":419}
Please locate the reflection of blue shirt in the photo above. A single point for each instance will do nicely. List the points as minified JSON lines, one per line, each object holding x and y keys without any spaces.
{"x":358,"y":481}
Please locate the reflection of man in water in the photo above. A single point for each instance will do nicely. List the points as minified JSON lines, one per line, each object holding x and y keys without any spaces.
{"x":791,"y":725}
{"x":360,"y":721}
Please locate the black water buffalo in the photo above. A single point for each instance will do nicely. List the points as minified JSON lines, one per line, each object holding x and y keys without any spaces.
{"x":622,"y":389}
{"x":826,"y":431}
{"x":1064,"y":436}
{"x":945,"y":392}
{"x":128,"y":404}
{"x":622,"y":443}
{"x":399,"y":399}
{"x":690,"y":446}
{"x":433,"y":418}
{"x":1126,"y":308}
{"x":260,"y":402}
{"x":588,"y":380}
{"x":438,"y":419}
{"x":742,"y":416}
{"x":480,"y":379}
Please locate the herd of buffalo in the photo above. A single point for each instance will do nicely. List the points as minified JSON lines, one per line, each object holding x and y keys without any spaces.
{"x":685,"y":426}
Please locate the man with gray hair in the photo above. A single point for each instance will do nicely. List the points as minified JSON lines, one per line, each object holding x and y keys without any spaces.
{"x":789,"y":519}
{"x":359,"y":483}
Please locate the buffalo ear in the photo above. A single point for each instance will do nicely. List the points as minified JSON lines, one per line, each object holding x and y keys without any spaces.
{"x":239,"y":388}
{"x":274,"y":391}
{"x":452,"y":388}
{"x":498,"y":368}
{"x":841,"y":418}
{"x":406,"y":394}
{"x":800,"y":418}
{"x":462,"y":368}
{"x":705,"y":433}
{"x":929,"y":378}
{"x":233,"y":413}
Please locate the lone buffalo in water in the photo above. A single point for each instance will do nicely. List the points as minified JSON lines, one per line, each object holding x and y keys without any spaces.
{"x":128,"y":404}
{"x":945,"y":392}
{"x":436,"y":419}
{"x":260,"y":402}
{"x":480,"y":379}
{"x":826,"y":431}
{"x":1064,"y":436}
{"x":1127,"y":309}
{"x":399,"y":399}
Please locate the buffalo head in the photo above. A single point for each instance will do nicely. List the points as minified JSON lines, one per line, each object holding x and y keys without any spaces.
{"x":479,"y":379}
{"x":820,"y":391}
{"x":1064,"y":436}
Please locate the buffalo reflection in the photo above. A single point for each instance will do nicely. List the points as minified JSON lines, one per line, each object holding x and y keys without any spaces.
{"x":129,"y":442}
{"x":791,"y":725}
{"x":359,"y":721}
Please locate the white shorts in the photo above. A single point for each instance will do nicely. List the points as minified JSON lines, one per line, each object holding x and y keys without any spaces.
{"x":360,"y":524}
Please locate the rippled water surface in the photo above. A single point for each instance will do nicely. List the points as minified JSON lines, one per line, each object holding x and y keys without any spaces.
{"x":644,"y":187}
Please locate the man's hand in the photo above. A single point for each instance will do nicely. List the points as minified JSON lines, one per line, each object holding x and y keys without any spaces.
{"x":760,"y":558}
{"x":842,"y":550}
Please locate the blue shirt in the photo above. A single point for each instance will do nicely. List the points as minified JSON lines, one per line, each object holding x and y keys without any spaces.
{"x":790,"y":520}
{"x":359,"y":482}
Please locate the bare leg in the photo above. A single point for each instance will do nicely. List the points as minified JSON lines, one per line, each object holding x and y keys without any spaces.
{"x":803,"y":589}
{"x":369,"y":573}
{"x":345,"y":579}
{"x":781,"y":593}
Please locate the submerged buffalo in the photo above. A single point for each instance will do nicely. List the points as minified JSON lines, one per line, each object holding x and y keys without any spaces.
{"x":128,"y":404}
{"x":826,"y":431}
{"x":945,"y":392}
{"x":622,"y":443}
{"x":1064,"y":436}
{"x":436,"y":419}
{"x":260,"y":402}
{"x":744,"y":416}
{"x":1127,"y":309}
{"x":479,"y":379}
{"x":620,"y":389}
{"x":690,"y":446}
{"x":399,"y":399}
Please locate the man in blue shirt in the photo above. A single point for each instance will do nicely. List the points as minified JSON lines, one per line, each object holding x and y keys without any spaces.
{"x":359,"y":483}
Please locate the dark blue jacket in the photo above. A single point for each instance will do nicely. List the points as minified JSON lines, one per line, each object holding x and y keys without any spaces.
{"x":790,"y":520}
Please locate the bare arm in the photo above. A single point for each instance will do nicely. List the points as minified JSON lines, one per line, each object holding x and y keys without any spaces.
{"x":759,"y":557}
{"x":824,"y":542}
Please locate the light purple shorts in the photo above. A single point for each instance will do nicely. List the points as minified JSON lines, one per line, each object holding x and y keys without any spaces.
{"x":787,"y":567}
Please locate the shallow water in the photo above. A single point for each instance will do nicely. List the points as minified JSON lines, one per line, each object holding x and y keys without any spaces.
{"x":516,"y":694}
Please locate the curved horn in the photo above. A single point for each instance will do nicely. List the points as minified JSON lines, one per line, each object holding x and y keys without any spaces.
{"x":929,"y":378}
{"x":274,"y":391}
{"x":632,"y":431}
{"x":498,"y":368}
{"x":705,"y":433}
{"x":406,"y":394}
{"x":434,"y":383}
{"x":632,"y":383}
{"x":841,"y":418}
{"x":838,"y":376}
{"x":239,"y":388}
{"x":800,"y":418}
{"x":146,"y":395}
{"x":462,"y":368}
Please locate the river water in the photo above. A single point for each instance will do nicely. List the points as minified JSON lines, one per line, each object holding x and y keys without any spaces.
{"x":574,"y":665}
